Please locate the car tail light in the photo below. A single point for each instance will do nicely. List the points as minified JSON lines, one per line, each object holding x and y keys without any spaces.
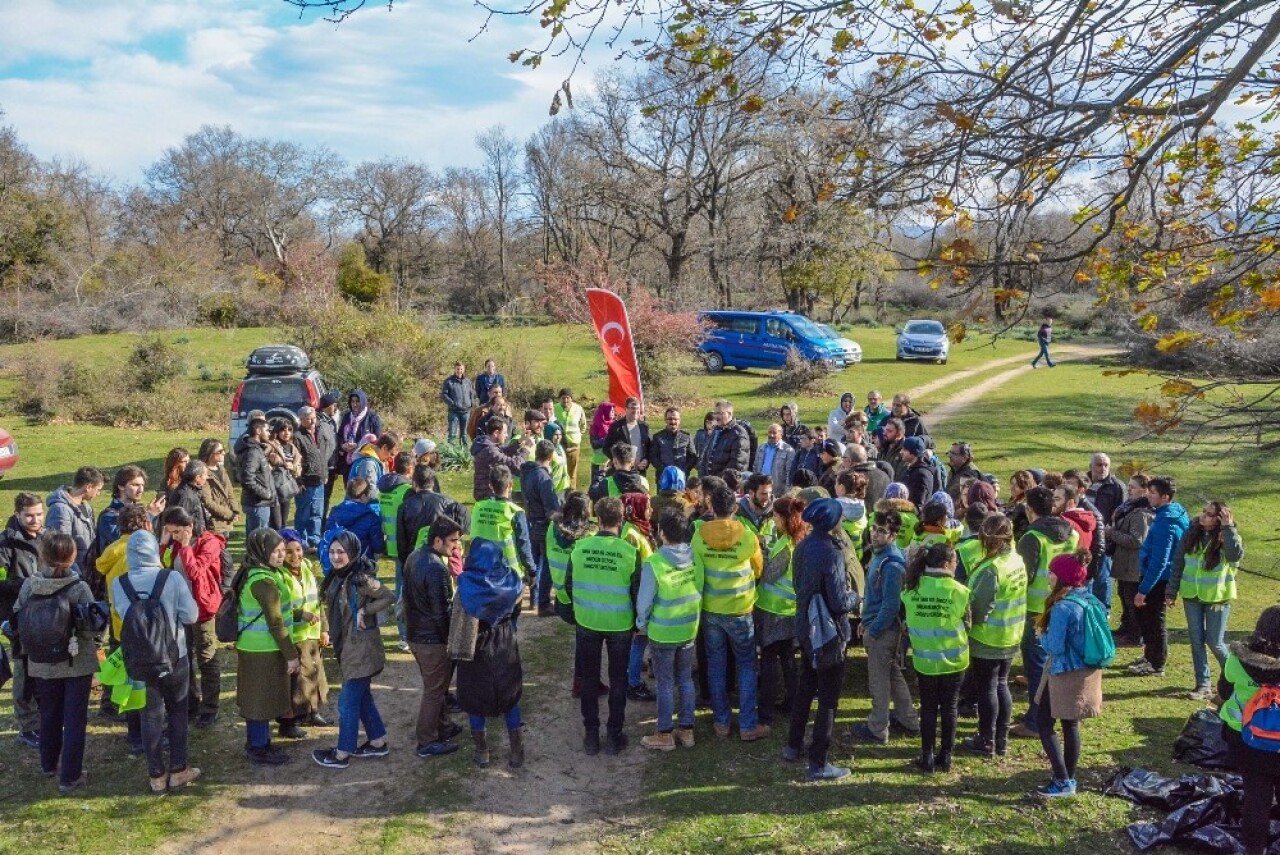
{"x":313,"y":396}
{"x":235,"y":399}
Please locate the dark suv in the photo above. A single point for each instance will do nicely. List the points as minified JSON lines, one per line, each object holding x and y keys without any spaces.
{"x":280,"y":381}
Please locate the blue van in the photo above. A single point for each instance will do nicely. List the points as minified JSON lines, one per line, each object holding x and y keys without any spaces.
{"x":761,"y":340}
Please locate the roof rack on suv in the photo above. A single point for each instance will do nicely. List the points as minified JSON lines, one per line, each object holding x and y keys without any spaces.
{"x":278,"y":359}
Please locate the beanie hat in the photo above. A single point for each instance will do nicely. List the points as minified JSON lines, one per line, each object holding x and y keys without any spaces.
{"x":914,"y":444}
{"x":1069,"y":571}
{"x":823,"y":515}
{"x":833,"y":447}
{"x":423,"y":446}
{"x":897,"y":490}
{"x":328,"y":399}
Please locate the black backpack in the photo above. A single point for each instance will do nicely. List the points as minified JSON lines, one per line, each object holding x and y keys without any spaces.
{"x":226,"y":623}
{"x":45,"y":625}
{"x":147,"y":634}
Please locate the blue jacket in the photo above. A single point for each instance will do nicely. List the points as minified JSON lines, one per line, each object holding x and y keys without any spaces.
{"x":1063,"y":641}
{"x":881,"y":607}
{"x":364,"y":520}
{"x":1155,"y":556}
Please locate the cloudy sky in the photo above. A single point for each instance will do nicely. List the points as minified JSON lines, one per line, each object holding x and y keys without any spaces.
{"x":115,"y":83}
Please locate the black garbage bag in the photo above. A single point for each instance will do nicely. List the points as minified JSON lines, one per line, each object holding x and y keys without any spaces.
{"x":1147,"y":788}
{"x":1211,"y":824}
{"x":1201,"y":743}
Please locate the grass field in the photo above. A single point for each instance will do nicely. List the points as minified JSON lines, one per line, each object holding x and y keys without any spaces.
{"x":722,"y":797}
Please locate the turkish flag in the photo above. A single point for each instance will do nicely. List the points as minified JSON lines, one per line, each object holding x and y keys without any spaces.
{"x":613,"y":328}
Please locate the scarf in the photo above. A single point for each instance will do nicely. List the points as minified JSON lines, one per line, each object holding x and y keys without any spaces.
{"x":601,"y":421}
{"x":637,"y":510}
{"x":259,"y":546}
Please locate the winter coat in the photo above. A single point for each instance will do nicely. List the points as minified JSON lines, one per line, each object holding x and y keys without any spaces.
{"x":364,"y":520}
{"x":1085,"y":524}
{"x":1155,"y":556}
{"x":77,"y":521}
{"x":190,"y":498}
{"x":1107,"y":495}
{"x":914,"y":426}
{"x":922,"y":482}
{"x":877,"y":480}
{"x":201,"y":565}
{"x":728,"y":448}
{"x":784,"y":457}
{"x":540,"y":497}
{"x":806,"y":460}
{"x":486,"y":454}
{"x":359,"y":651}
{"x":219,"y":499}
{"x":835,"y":418}
{"x":485,"y":382}
{"x":315,"y":452}
{"x":457,"y":393}
{"x":85,"y":660}
{"x":672,"y":448}
{"x":1125,"y":537}
{"x":620,"y":434}
{"x":367,"y":465}
{"x":492,"y":680}
{"x":1075,"y":690}
{"x":881,"y":609}
{"x":818,"y":569}
{"x":327,"y":431}
{"x":371,"y":423}
{"x":20,"y":556}
{"x":427,"y":598}
{"x":257,"y":490}
{"x":959,"y":478}
{"x":108,"y":528}
{"x":420,"y":509}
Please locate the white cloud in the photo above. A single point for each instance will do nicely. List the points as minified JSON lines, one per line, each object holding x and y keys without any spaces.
{"x":116,"y":86}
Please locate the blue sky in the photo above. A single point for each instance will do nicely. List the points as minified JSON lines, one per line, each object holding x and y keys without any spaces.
{"x":115,"y":83}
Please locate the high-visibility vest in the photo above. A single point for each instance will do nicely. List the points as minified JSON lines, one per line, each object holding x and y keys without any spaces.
{"x":614,"y":491}
{"x":1245,"y":687}
{"x":559,"y":470}
{"x":925,"y":539}
{"x":970,"y":553}
{"x":637,"y":538}
{"x":603,"y":567}
{"x":492,"y":519}
{"x":677,"y":604}
{"x":570,"y":421}
{"x":935,"y":623}
{"x":855,"y":529}
{"x":729,"y":584}
{"x":558,"y":563}
{"x":389,"y":503}
{"x":1038,"y":590}
{"x":305,"y":591}
{"x":1213,"y":585}
{"x":254,"y":636}
{"x":1004,"y":626}
{"x":907,"y":533}
{"x":778,"y":597}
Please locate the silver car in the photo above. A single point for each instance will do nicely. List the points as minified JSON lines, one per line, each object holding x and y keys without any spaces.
{"x":924,"y":340}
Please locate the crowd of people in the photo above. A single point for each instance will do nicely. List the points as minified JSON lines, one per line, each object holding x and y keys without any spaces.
{"x":743,"y":571}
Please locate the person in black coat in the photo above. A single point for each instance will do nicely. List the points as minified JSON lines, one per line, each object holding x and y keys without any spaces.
{"x":920,"y":477}
{"x":187,"y":495}
{"x":422,"y":506}
{"x":630,"y":430}
{"x":257,"y":489}
{"x":541,"y":502}
{"x":671,"y":446}
{"x":428,"y":601}
{"x":818,"y":571}
{"x":729,"y":446}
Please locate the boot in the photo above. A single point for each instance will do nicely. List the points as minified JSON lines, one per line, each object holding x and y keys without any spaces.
{"x":944,"y":761}
{"x":480,"y":755}
{"x":515,"y":759}
{"x":659,"y":741}
{"x":925,"y":762}
{"x":1002,"y":741}
{"x":684,"y":737}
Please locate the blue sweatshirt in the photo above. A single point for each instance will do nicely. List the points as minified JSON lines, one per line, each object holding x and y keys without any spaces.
{"x":880,"y":609}
{"x":1155,"y":556}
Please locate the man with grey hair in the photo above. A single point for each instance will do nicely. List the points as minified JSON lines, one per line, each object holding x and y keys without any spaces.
{"x":1107,"y":493}
{"x":316,"y":440}
{"x":729,"y":446}
{"x":877,"y":473}
{"x":775,"y":458}
{"x":188,"y":496}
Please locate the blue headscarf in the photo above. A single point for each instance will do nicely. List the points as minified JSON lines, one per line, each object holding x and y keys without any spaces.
{"x":671,"y":480}
{"x":488,"y":588}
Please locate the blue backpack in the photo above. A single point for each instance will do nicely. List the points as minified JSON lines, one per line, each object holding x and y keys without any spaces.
{"x":1099,"y":645}
{"x":322,"y":548}
{"x":1260,"y":728}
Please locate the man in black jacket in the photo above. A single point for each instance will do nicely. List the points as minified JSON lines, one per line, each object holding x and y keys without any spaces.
{"x":257,"y":490}
{"x":729,"y":446}
{"x":630,"y":430}
{"x":428,"y":599}
{"x":316,"y":441}
{"x":540,"y":501}
{"x":619,"y":477}
{"x":19,"y":561}
{"x":460,"y":398}
{"x":422,"y":506}
{"x":671,"y":446}
{"x":921,"y":478}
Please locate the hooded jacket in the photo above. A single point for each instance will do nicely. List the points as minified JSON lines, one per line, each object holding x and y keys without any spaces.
{"x":201,"y":565}
{"x":368,"y":465}
{"x":681,"y":557}
{"x":1085,"y":524}
{"x":818,"y":570}
{"x":628,"y":481}
{"x":143,"y":555}
{"x":85,"y":660}
{"x":835,"y":418}
{"x":1055,"y":528}
{"x":420,"y":509}
{"x":257,"y":489}
{"x":63,"y":515}
{"x":1155,"y":557}
{"x":485,"y":454}
{"x":187,"y":496}
{"x":1132,"y":519}
{"x":20,"y":557}
{"x":364,"y":520}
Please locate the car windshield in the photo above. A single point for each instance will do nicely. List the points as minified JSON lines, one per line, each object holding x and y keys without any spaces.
{"x":924,"y":328}
{"x":806,"y":328}
{"x":268,"y":393}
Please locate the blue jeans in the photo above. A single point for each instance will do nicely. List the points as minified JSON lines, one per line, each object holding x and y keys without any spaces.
{"x":672,"y":670}
{"x":257,"y":733}
{"x":542,"y":570}
{"x":635,"y":662}
{"x":1102,"y":583}
{"x":256,"y":518}
{"x":356,"y":707}
{"x":458,"y":420}
{"x":1207,"y":626}
{"x":1033,"y":657}
{"x":1043,"y":354}
{"x":309,"y":511}
{"x":736,"y":633}
{"x":512,"y":717}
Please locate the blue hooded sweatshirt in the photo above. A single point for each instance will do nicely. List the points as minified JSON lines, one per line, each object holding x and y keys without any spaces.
{"x":1155,"y":556}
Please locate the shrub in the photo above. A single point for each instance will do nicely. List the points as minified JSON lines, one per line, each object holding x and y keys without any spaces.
{"x":799,"y":376}
{"x":380,"y":374}
{"x":153,"y":362}
{"x":454,"y":457}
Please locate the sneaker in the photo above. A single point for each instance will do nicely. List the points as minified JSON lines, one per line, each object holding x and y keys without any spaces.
{"x":722,"y":730}
{"x":1020,"y":680}
{"x":29,"y":738}
{"x":790,"y":755}
{"x":615,"y":743}
{"x":68,"y":789}
{"x":896,"y":724}
{"x":206,"y":719}
{"x":640,"y":693}
{"x":1022,"y":730}
{"x":591,"y":743}
{"x":160,"y":785}
{"x":1201,"y":693}
{"x":178,"y":780}
{"x":684,"y":737}
{"x":659,"y":741}
{"x":267,"y":756}
{"x":760,"y":731}
{"x":328,"y":758}
{"x":862,"y":732}
{"x":1058,"y":788}
{"x":1142,"y":668}
{"x":402,"y":646}
{"x":826,"y":773}
{"x":368,"y":749}
{"x":450,"y":731}
{"x":436,"y":749}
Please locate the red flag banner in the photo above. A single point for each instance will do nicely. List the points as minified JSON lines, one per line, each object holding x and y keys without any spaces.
{"x":613,"y":328}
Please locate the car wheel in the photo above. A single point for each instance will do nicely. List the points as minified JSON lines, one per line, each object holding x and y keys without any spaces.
{"x":944,"y":361}
{"x":714,"y":362}
{"x":899,"y":357}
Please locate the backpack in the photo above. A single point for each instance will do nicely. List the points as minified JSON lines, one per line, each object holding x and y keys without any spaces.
{"x":322,"y":548}
{"x":46,"y":624}
{"x":226,"y":623}
{"x":1099,"y":645}
{"x":1260,"y":727}
{"x":147,"y":635}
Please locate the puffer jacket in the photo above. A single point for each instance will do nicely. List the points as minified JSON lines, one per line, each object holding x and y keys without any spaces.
{"x":728,"y":448}
{"x":20,"y":560}
{"x":1155,"y":556}
{"x":428,"y":597}
{"x":420,"y":509}
{"x":85,"y":660}
{"x":364,"y":520}
{"x":257,"y":490}
{"x":359,"y":651}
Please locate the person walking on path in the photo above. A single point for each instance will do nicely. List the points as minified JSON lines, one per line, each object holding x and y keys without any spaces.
{"x":1204,"y":574}
{"x":1070,"y":690}
{"x":1155,"y":562}
{"x":1044,"y":337}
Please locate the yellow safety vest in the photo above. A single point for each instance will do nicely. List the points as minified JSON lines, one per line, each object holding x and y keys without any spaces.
{"x":306,"y":597}
{"x":1038,"y":590}
{"x":729,"y":586}
{"x":935,"y":623}
{"x":603,"y":567}
{"x":1213,"y":585}
{"x":1245,"y":687}
{"x":907,"y":533}
{"x":570,"y":421}
{"x":254,"y":636}
{"x":778,"y":597}
{"x":1004,"y":626}
{"x":491,"y":519}
{"x":677,"y":605}
{"x":558,"y":564}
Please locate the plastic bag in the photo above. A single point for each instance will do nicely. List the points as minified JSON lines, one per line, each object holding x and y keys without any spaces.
{"x":1211,"y":824}
{"x":128,"y":695}
{"x":1201,"y":743}
{"x":1151,"y":790}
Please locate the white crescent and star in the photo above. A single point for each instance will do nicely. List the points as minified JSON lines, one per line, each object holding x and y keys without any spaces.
{"x":604,"y":335}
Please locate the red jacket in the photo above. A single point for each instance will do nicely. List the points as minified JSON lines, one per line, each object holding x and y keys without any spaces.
{"x":1084,"y":522}
{"x":201,"y":564}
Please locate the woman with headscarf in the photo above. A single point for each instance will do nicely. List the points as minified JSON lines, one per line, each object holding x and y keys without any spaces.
{"x":490,"y":677}
{"x":352,"y":599}
{"x":310,"y":686}
{"x":671,"y":492}
{"x":265,"y":653}
{"x":600,"y":424}
{"x":559,"y":462}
